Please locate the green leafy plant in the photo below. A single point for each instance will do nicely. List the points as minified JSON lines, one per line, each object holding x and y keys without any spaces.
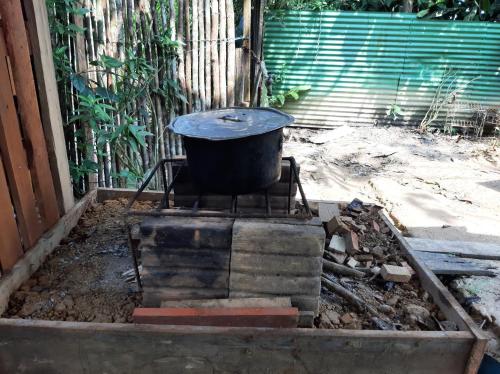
{"x":293,"y":93}
{"x":394,"y":111}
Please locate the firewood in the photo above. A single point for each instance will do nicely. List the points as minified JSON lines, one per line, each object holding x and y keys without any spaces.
{"x":341,"y":269}
{"x":349,"y":296}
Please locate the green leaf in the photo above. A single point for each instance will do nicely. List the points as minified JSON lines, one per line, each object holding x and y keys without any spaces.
{"x":80,"y":84}
{"x":423,"y":13}
{"x":110,"y":62}
{"x":294,"y":95}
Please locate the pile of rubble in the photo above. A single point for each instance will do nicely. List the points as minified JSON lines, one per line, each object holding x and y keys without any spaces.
{"x":366,"y":282}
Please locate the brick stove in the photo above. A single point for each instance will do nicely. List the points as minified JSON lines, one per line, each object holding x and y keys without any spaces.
{"x":219,"y":246}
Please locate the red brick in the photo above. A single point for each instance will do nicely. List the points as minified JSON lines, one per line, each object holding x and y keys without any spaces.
{"x":228,"y":317}
{"x":352,"y":242}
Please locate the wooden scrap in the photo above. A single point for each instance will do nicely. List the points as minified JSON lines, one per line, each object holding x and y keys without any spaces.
{"x":341,"y":269}
{"x":485,"y":251}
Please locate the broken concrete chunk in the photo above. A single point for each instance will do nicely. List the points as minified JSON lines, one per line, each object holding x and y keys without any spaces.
{"x":336,"y":226}
{"x":333,"y":316}
{"x":352,"y":262}
{"x":395,"y":273}
{"x":337,"y":244}
{"x":378,"y":251}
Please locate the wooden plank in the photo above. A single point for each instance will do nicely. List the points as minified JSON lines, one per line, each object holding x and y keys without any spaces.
{"x":34,"y":258}
{"x":187,"y":232}
{"x":304,"y":303}
{"x":444,"y":299}
{"x":17,"y":44}
{"x":184,"y":278}
{"x":276,"y":264}
{"x":444,"y":263}
{"x":15,"y":162}
{"x":277,"y":189}
{"x":199,"y":258}
{"x":39,"y":34}
{"x":485,"y":251}
{"x":153,"y":296}
{"x":219,"y":202}
{"x":270,"y":284}
{"x":260,"y":237}
{"x":230,"y":317}
{"x":104,"y":194}
{"x":257,"y":302}
{"x":77,"y":348}
{"x":10,"y":243}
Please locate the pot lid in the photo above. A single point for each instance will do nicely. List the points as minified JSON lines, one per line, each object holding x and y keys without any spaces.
{"x":230,"y":123}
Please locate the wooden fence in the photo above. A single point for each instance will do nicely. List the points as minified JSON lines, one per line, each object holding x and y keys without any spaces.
{"x":35,"y":188}
{"x":201,"y":53}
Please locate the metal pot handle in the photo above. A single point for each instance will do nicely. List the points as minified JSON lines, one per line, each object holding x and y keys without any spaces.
{"x":229,"y":117}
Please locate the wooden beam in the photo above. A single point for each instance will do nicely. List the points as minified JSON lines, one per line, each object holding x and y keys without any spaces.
{"x":447,"y":264}
{"x":39,"y":33}
{"x":444,"y":299}
{"x":33,"y":259}
{"x":18,"y":50}
{"x":257,"y":30}
{"x":483,"y":251}
{"x":10,"y":242}
{"x":78,"y":347}
{"x":15,"y":162}
{"x":247,"y":46}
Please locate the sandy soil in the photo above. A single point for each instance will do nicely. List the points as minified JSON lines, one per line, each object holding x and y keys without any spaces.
{"x":436,"y":186}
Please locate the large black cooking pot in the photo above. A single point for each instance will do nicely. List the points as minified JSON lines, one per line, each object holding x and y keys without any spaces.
{"x":233,"y":150}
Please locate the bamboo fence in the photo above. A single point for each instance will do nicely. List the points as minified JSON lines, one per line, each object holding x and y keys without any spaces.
{"x":203,"y":65}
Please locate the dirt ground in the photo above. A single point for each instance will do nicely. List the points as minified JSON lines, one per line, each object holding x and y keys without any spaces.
{"x":83,"y":278}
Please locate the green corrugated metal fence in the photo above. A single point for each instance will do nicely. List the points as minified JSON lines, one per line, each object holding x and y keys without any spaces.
{"x":359,"y":64}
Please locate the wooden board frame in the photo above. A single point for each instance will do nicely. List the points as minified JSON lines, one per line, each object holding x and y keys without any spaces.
{"x":81,"y":347}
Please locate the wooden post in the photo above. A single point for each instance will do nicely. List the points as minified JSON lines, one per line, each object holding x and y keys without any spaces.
{"x":208,"y":65}
{"x":188,"y":56}
{"x":182,"y":67}
{"x":231,"y":53}
{"x":256,"y":43}
{"x":201,"y":52}
{"x":39,"y":34}
{"x":247,"y":17}
{"x":222,"y":53}
{"x":17,"y":47}
{"x":194,"y":53}
{"x":214,"y":35}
